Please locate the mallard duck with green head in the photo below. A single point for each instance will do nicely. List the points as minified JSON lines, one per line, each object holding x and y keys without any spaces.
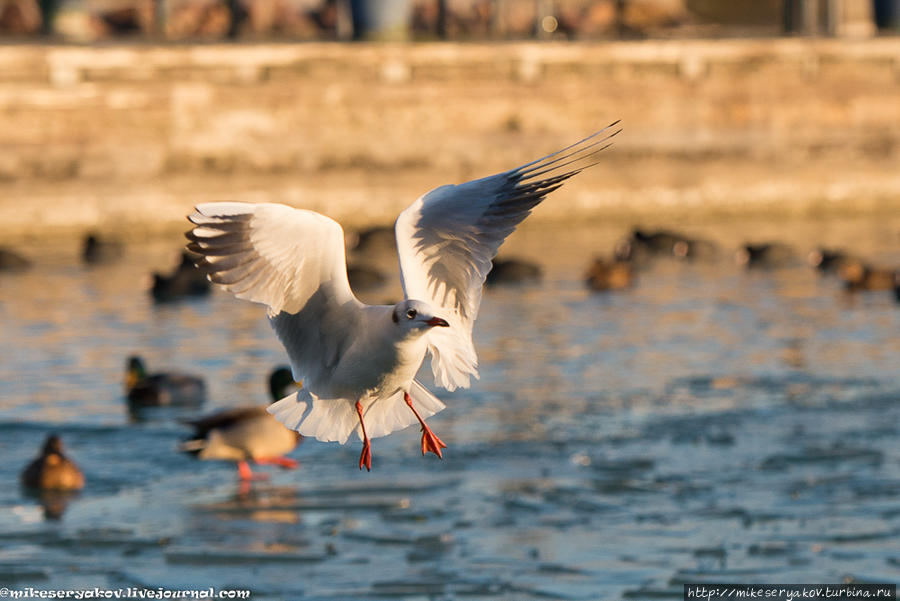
{"x":162,"y":388}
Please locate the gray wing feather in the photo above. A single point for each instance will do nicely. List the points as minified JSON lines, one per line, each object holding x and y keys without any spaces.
{"x":448,"y":238}
{"x":292,"y":261}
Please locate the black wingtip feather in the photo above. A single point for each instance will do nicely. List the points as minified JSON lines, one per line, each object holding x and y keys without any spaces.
{"x":223,"y":239}
{"x":585,"y":152}
{"x":536,"y":164}
{"x":525,"y":188}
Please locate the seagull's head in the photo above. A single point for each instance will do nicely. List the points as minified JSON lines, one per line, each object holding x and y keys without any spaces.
{"x":416,"y":316}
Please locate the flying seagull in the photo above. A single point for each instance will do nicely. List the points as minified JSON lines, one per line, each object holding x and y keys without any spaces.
{"x":358,"y":362}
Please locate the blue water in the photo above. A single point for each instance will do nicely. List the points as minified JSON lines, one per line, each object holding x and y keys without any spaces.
{"x":707,"y":425}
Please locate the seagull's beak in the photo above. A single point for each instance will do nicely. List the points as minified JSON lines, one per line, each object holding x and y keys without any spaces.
{"x":437,"y":321}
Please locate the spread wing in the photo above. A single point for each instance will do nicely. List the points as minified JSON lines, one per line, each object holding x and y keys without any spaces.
{"x":290,"y":260}
{"x":447,"y":238}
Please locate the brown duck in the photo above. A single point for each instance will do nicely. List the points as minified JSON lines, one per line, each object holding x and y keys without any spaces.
{"x":52,"y":470}
{"x":859,"y":276}
{"x":246,"y":434}
{"x":605,"y":275}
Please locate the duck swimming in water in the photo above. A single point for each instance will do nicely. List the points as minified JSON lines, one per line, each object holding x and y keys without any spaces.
{"x":52,"y":470}
{"x":96,"y":249}
{"x":161,"y":389}
{"x":184,"y":282}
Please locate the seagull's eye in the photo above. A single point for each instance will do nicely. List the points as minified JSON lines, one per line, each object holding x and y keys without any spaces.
{"x":411,"y":314}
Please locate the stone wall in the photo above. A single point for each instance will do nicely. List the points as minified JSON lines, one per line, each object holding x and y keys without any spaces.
{"x":110,"y":134}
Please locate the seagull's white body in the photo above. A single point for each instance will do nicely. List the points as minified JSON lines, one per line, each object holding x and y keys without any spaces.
{"x":358,"y":362}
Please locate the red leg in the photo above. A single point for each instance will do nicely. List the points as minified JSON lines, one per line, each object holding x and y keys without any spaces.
{"x":430,"y":441}
{"x":284,"y":462}
{"x":247,"y":474}
{"x":365,"y":458}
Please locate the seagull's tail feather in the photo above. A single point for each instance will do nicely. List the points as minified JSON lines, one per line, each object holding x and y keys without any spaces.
{"x":426,"y":403}
{"x":387,"y":415}
{"x":323,"y":419}
{"x":334,"y":420}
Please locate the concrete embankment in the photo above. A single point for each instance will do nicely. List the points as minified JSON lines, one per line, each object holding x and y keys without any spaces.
{"x":131,"y":136}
